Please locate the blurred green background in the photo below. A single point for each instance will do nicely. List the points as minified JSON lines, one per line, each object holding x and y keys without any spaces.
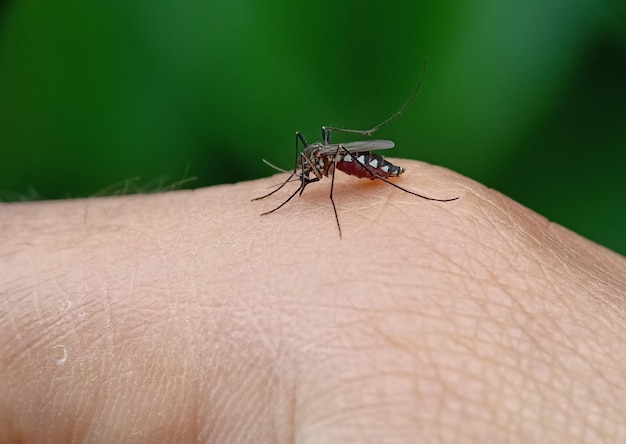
{"x":123,"y":96}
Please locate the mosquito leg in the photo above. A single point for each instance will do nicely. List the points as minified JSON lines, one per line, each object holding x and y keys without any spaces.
{"x":299,"y":137}
{"x":300,"y":189}
{"x":304,"y":182}
{"x":411,"y":192}
{"x":272,"y":192}
{"x":282,"y":204}
{"x":307,"y":181}
{"x":332,"y":186}
{"x":327,"y":129}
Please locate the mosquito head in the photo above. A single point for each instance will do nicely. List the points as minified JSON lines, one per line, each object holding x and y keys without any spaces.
{"x":312,"y":149}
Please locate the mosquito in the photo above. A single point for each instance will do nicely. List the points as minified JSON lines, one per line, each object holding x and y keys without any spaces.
{"x":324,"y":158}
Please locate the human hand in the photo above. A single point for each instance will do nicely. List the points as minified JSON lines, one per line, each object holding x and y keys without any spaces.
{"x":185,"y":316}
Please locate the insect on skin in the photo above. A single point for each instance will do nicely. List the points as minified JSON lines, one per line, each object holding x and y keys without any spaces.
{"x":323,"y":158}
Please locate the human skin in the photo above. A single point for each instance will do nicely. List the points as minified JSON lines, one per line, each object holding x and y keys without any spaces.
{"x":187,"y":317}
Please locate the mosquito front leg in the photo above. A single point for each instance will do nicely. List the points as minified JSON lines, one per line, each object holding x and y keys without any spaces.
{"x":311,"y":166}
{"x":299,"y":137}
{"x":304,"y":181}
{"x":282,"y":204}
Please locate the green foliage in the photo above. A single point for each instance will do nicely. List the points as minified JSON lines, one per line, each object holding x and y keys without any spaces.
{"x":527,"y":97}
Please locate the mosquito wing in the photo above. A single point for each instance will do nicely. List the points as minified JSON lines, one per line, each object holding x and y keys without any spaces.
{"x":368,"y":145}
{"x":361,"y":145}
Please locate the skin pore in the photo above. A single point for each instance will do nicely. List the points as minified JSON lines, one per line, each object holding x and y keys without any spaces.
{"x":187,"y":317}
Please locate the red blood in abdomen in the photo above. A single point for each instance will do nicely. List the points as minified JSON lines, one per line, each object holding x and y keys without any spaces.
{"x":354,"y":168}
{"x":365,"y":168}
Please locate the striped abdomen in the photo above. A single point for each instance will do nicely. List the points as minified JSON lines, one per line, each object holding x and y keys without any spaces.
{"x":367,"y":164}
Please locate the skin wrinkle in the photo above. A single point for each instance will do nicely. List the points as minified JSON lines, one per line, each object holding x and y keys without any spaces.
{"x":430,"y":383}
{"x":113,"y":326}
{"x":527,"y":409}
{"x":279,"y":379}
{"x":350,"y":414}
{"x":35,"y":336}
{"x":11,"y":354}
{"x":594,"y":271}
{"x":445,"y":396}
{"x":337,"y":394}
{"x":249,"y":311}
{"x":496,"y":278}
{"x":501,"y":218}
{"x":462,"y":264}
{"x":251,"y":412}
{"x":244,"y":315}
{"x":195,"y":353}
{"x":558,"y":374}
{"x":212,"y":432}
{"x":295,"y":422}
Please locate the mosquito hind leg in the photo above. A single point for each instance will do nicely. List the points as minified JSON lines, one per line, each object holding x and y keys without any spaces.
{"x":327,"y":129}
{"x":413,"y":193}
